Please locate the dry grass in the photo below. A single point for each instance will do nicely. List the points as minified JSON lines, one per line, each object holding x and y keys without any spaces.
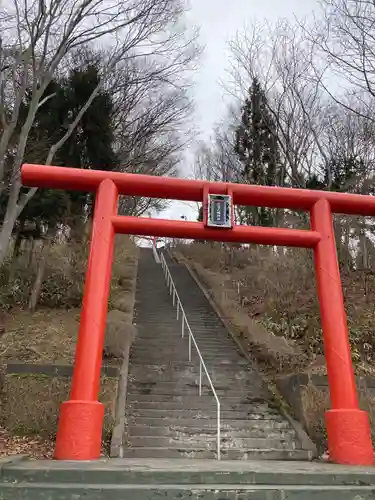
{"x":63,"y":280}
{"x":120,"y":331}
{"x":119,"y":335}
{"x":48,"y":335}
{"x":124,"y":303}
{"x":124,"y":274}
{"x":315,"y":402}
{"x":30,"y":410}
{"x":274,"y":294}
{"x":34,"y":447}
{"x":30,"y":403}
{"x":270,"y":300}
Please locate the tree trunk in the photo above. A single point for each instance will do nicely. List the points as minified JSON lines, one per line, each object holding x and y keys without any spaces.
{"x":31,"y":250}
{"x":6,"y":233}
{"x":35,"y":292}
{"x":16,"y":252}
{"x":342,"y":236}
{"x":77,"y":230}
{"x":362,"y":259}
{"x":87,"y":230}
{"x":17,"y":243}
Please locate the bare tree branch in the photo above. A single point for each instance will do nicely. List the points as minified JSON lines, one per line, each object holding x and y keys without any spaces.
{"x":42,"y":38}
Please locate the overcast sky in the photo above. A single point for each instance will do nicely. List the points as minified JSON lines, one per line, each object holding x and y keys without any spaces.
{"x":218,"y":21}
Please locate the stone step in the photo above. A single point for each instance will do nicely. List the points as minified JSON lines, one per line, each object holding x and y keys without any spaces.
{"x":182,"y":356}
{"x":175,"y":343}
{"x":164,"y":336}
{"x":144,"y":491}
{"x":148,"y":347}
{"x":210,"y":361}
{"x":227,"y":454}
{"x":146,"y":479}
{"x":259,"y":403}
{"x":164,"y":340}
{"x":207,"y":405}
{"x":178,"y":345}
{"x":199,"y":319}
{"x":207,"y":473}
{"x":181,"y":430}
{"x":208,"y":442}
{"x":156,"y":320}
{"x":168,"y":317}
{"x":243,"y":384}
{"x":193,"y":390}
{"x":263,"y":425}
{"x":202,"y":414}
{"x":218,"y":364}
{"x":196,"y":405}
{"x":182,"y":388}
{"x":190,"y":391}
{"x":186,"y":369}
{"x":168,"y":327}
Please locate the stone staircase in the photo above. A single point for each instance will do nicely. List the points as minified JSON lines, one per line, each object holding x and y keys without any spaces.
{"x":165,"y":479}
{"x":166,"y":417}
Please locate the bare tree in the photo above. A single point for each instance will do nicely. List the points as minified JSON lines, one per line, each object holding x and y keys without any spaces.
{"x":151,"y":120}
{"x":349,"y":142}
{"x":318,"y":134}
{"x":343,"y":36}
{"x":38,"y":38}
{"x":215,"y":158}
{"x":279,"y":57}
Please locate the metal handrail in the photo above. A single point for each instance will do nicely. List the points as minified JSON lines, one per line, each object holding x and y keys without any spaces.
{"x":202,"y":366}
{"x":155,"y":252}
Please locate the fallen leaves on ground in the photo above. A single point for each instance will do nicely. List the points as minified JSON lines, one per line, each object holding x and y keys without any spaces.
{"x":34,"y":447}
{"x":48,"y":335}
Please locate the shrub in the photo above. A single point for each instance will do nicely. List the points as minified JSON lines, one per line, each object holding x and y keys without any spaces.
{"x":119,"y":335}
{"x":64,"y":275}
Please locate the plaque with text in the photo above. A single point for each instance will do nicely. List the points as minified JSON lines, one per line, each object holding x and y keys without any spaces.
{"x":219,"y":210}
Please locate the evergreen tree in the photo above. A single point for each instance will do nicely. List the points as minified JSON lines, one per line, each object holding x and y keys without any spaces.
{"x":257,"y":149}
{"x":90,"y":145}
{"x":344,"y":171}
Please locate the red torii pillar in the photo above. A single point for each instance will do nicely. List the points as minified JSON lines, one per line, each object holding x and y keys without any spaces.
{"x":81,"y":418}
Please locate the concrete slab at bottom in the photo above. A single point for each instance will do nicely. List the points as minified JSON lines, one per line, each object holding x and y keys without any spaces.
{"x":172,"y":492}
{"x":18,"y":469}
{"x":162,"y":479}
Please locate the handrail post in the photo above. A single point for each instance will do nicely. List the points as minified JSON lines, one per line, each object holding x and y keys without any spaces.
{"x":218,"y":431}
{"x":200,"y":378}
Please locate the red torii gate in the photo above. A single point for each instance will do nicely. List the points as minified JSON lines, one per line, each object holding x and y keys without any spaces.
{"x":81,"y":418}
